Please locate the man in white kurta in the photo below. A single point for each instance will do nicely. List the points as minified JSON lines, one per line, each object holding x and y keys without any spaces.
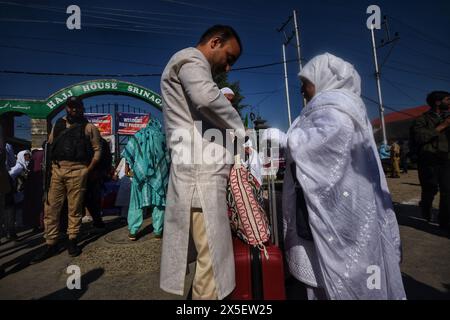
{"x":353,"y":249}
{"x":196,"y":198}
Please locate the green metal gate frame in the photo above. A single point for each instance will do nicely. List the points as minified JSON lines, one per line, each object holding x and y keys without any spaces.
{"x":46,"y":109}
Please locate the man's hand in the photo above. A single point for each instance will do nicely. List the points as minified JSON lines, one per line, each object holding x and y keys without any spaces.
{"x":444,"y":125}
{"x":447,"y":121}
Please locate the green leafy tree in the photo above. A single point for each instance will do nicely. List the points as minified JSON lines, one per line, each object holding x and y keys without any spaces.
{"x":222,"y":81}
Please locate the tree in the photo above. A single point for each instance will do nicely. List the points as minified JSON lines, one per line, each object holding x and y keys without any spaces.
{"x":222,"y":81}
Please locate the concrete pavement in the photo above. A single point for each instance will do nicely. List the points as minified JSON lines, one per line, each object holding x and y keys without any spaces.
{"x":113,"y":267}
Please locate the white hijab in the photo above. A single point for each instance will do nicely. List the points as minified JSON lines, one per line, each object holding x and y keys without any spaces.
{"x":21,"y":158}
{"x":21,"y":164}
{"x":328,"y":72}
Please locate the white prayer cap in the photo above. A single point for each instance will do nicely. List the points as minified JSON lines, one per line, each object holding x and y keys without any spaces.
{"x":227,"y":90}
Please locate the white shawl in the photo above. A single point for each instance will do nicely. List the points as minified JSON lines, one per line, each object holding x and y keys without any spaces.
{"x":355,"y":253}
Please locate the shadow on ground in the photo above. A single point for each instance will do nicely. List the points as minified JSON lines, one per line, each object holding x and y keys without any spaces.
{"x":410,"y":216}
{"x":416,"y":290}
{"x":295,"y":290}
{"x":76,"y":294}
{"x":35,"y":243}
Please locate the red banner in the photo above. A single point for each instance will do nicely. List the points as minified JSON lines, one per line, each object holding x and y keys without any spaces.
{"x":102,"y":121}
{"x":131,"y":123}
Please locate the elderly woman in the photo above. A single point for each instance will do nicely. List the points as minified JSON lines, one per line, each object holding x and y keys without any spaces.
{"x":341,"y":234}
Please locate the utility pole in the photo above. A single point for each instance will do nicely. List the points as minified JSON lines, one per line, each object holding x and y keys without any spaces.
{"x":378,"y":69}
{"x":377,"y":76}
{"x":299,"y":55}
{"x":295,"y":32}
{"x":286,"y":81}
{"x":297,"y":37}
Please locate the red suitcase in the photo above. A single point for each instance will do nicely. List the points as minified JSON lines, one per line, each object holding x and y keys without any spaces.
{"x":256,"y":277}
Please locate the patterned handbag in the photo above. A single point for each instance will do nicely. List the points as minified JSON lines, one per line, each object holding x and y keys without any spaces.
{"x":248,"y":218}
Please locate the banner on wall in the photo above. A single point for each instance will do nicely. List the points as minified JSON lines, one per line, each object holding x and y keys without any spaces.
{"x":131,"y":123}
{"x":102,"y":121}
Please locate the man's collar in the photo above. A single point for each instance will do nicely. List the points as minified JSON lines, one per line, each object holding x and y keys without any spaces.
{"x":434,"y":113}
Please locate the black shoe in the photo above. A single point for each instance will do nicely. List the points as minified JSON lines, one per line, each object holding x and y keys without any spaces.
{"x":426,"y":213}
{"x":37,"y":230}
{"x":50,"y":251}
{"x":12,"y":237}
{"x":72,"y":248}
{"x":99,"y":225}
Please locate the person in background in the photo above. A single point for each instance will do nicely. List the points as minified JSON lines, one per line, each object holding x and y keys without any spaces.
{"x":96,"y":179}
{"x":253,"y":161}
{"x":148,"y":158}
{"x":5,"y":184}
{"x":385,"y":151}
{"x":33,"y":203}
{"x":385,"y":156}
{"x":395,"y":159}
{"x":404,"y":154}
{"x":10,"y":156}
{"x":124,"y":175}
{"x":431,"y":134}
{"x":75,"y":151}
{"x":19,"y":175}
{"x":5,"y":188}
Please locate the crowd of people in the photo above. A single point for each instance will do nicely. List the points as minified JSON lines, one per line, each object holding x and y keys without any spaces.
{"x":338,"y":217}
{"x":55,"y":187}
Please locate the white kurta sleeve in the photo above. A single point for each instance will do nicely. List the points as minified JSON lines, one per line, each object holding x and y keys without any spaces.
{"x":195,"y":76}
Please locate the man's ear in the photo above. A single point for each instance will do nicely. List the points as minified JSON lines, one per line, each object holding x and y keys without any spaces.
{"x":215,"y":42}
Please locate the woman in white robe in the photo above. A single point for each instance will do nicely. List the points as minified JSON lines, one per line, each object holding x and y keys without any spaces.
{"x":354,"y":250}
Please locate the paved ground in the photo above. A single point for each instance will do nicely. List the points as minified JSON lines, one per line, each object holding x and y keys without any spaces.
{"x":426,"y":249}
{"x":114,"y":268}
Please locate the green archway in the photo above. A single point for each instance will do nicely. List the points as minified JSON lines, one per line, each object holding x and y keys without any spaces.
{"x":44,"y":109}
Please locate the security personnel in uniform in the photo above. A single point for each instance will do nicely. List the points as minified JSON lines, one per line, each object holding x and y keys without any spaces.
{"x":395,"y":160}
{"x":431,"y":134}
{"x":75,"y":150}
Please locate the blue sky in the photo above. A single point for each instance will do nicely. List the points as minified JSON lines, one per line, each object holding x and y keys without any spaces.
{"x":140,"y":36}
